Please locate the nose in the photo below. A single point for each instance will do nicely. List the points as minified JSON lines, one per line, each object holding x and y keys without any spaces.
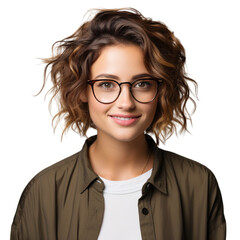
{"x":125,"y":100}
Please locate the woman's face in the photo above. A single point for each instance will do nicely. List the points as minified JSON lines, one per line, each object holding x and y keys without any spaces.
{"x":125,"y":119}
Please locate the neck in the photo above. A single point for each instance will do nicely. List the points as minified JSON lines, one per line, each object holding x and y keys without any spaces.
{"x":120,"y":160}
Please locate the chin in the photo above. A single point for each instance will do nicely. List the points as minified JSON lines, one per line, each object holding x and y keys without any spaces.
{"x":126,"y":136}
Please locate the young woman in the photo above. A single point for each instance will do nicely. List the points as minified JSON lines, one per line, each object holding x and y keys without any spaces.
{"x":122,"y":74}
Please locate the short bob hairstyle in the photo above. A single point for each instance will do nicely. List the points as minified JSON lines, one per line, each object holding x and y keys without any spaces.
{"x":164,"y":58}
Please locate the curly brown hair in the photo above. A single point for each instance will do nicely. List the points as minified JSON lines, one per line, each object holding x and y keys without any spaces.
{"x":164,"y":58}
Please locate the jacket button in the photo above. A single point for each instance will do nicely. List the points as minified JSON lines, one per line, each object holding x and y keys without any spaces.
{"x":145,"y":211}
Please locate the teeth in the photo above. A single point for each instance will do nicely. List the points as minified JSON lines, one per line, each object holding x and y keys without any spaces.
{"x":122,"y":118}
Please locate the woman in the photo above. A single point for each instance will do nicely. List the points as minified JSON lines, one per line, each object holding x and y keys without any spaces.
{"x":122,"y":74}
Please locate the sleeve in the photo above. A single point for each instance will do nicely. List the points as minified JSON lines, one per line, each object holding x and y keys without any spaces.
{"x":216,"y":219}
{"x":15,"y":232}
{"x":24,"y":219}
{"x":35,"y":215}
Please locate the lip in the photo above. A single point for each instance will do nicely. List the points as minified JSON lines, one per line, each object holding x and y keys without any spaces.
{"x":124,"y":120}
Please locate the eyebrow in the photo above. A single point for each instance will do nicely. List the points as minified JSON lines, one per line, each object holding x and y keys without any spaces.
{"x":142,"y":75}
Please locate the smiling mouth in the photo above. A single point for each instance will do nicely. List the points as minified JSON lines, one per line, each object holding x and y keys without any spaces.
{"x":125,"y":117}
{"x":124,"y":120}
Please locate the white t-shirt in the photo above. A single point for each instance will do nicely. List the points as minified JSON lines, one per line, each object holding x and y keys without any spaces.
{"x":121,"y":217}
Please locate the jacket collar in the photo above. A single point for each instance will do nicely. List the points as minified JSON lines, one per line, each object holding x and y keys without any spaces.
{"x":158,"y":177}
{"x":86,"y":173}
{"x":87,"y":176}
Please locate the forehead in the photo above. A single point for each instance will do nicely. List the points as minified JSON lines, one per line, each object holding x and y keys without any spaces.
{"x":122,"y":60}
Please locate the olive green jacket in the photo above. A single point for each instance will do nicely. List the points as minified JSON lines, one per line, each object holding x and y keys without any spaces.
{"x":180,"y":201}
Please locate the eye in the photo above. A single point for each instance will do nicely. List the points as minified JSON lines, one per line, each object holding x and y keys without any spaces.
{"x":106,"y":84}
{"x":142,"y":84}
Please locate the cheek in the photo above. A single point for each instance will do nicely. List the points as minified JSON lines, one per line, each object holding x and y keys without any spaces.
{"x":93,"y":109}
{"x":91,"y":101}
{"x":151,"y":112}
{"x":151,"y":109}
{"x":96,"y":110}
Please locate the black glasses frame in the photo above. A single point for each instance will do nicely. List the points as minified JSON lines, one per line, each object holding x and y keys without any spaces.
{"x":157,"y":80}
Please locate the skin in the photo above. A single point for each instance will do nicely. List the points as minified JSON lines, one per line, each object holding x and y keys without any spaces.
{"x":120,"y":152}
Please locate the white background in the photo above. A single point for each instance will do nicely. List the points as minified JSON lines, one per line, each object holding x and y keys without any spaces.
{"x":209,"y":31}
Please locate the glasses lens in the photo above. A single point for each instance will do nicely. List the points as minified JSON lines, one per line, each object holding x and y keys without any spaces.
{"x":106,"y":91}
{"x":144,"y":90}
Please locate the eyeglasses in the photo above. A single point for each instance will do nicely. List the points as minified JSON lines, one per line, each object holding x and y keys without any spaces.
{"x":108,"y":90}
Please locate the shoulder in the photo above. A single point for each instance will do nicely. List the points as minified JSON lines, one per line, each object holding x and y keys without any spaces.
{"x":197,"y":187}
{"x":186,"y":170}
{"x":184,"y":164}
{"x":57,"y":170}
{"x":45,"y":184}
{"x":192,"y":178}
